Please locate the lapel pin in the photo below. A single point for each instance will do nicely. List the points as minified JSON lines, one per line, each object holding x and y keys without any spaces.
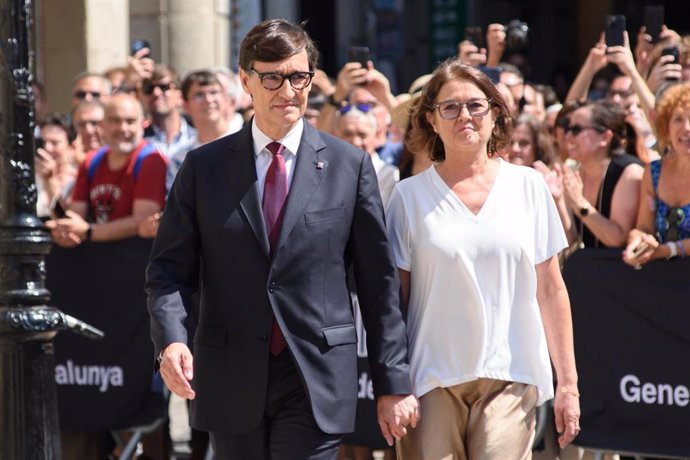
{"x":319,"y":165}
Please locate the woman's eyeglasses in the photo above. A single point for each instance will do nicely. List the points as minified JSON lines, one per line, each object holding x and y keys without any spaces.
{"x":674,"y":219}
{"x":577,"y":129}
{"x":273,"y":81}
{"x":450,"y":110}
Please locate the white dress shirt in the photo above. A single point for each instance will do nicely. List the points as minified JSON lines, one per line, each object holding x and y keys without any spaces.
{"x":264,"y":157}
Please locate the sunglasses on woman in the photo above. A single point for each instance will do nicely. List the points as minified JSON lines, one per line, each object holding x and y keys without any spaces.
{"x":674,"y":219}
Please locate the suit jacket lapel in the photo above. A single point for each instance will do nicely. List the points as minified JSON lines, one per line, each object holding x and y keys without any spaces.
{"x":309,"y":170}
{"x":241,"y":167}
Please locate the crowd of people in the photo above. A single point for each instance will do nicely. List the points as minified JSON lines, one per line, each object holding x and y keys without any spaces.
{"x":598,"y":169}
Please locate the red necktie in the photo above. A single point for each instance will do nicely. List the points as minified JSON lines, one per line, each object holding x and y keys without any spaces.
{"x":275,"y":193}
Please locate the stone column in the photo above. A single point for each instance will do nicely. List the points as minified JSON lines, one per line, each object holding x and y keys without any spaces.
{"x":186,"y":34}
{"x":75,"y":36}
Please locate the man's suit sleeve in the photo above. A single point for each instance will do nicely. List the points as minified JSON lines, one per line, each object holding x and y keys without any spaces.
{"x":378,"y":289}
{"x":173,"y":271}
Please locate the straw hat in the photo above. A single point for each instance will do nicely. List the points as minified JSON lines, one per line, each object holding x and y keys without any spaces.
{"x":401,"y":112}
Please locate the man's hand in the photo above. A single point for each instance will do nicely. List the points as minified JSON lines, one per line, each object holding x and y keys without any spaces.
{"x":495,"y":43}
{"x":395,"y":412}
{"x":139,"y":67}
{"x":69,"y":231}
{"x":149,"y":226}
{"x":176,"y":369}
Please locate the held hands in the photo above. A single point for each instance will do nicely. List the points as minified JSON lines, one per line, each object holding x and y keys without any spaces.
{"x":566,"y":408}
{"x":177,"y":370}
{"x":395,"y":412}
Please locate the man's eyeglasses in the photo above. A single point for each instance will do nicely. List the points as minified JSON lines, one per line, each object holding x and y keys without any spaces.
{"x":674,"y":220}
{"x":79,"y":94}
{"x":274,"y":80}
{"x":149,"y":88}
{"x":450,"y":110}
{"x":577,"y":129}
{"x":201,"y":96}
{"x":361,"y":107}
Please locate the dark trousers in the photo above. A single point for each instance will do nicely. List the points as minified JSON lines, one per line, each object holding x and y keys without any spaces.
{"x":288,"y":431}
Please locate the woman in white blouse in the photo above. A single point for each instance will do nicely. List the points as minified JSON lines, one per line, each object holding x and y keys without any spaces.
{"x":476,"y":240}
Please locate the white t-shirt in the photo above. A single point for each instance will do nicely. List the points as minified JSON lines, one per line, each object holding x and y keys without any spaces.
{"x":473,"y":309}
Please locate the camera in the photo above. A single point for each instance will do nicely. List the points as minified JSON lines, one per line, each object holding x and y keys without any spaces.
{"x":516,"y":34}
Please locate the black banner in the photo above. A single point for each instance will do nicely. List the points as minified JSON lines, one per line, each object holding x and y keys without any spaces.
{"x":632,"y":346}
{"x":104,"y":384}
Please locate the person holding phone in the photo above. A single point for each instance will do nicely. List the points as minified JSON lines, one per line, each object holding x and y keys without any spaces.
{"x":55,"y":163}
{"x":352,"y":76}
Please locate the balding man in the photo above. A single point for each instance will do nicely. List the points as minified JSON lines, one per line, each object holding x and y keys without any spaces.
{"x":89,"y":86}
{"x":118,"y":185}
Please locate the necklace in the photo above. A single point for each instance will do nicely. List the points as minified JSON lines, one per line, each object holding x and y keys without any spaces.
{"x":598,"y":206}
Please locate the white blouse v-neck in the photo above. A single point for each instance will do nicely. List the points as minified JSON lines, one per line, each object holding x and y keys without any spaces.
{"x":473,"y":310}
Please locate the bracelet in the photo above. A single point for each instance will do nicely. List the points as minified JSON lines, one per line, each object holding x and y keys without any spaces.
{"x":566,"y":391}
{"x":673,"y":250}
{"x":681,"y":248}
{"x":87,"y":236}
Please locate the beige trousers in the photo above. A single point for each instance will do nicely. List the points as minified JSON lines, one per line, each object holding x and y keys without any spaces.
{"x":484,"y":419}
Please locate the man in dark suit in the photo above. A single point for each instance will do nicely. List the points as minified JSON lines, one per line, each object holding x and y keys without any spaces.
{"x":274,"y":368}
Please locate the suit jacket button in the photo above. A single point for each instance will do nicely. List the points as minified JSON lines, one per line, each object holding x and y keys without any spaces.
{"x":264,"y":338}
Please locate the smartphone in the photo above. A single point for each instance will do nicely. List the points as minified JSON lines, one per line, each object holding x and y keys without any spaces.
{"x":474,"y":35}
{"x":138,"y":44}
{"x":653,"y":20}
{"x":494,"y":73}
{"x":671,"y":51}
{"x":38,"y":142}
{"x":57,"y":210}
{"x":358,"y":54}
{"x":615,"y":26}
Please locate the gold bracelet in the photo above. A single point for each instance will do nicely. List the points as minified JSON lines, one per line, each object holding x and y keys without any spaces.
{"x":574,"y":393}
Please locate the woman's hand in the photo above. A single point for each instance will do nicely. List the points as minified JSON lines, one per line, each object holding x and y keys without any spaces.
{"x":553,"y":178}
{"x":573,"y":189}
{"x":641,"y":248}
{"x":566,"y":408}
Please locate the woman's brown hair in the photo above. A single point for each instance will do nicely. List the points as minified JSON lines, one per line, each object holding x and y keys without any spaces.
{"x":424,"y":139}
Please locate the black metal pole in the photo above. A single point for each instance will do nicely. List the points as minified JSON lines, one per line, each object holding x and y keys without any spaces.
{"x":28,"y":404}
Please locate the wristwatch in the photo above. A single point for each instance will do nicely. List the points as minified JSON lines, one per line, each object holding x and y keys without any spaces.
{"x":584,"y":211}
